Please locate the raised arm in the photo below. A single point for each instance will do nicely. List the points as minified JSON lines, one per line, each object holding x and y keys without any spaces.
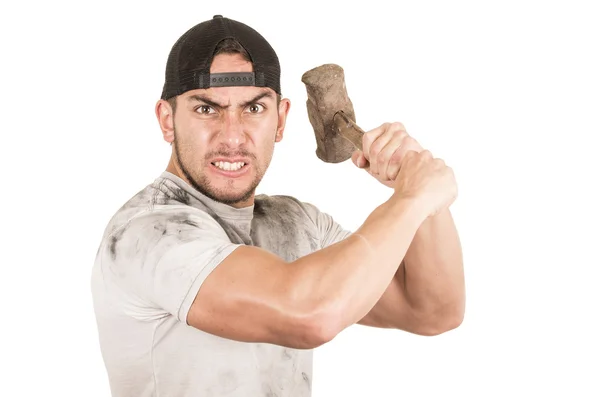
{"x":253,"y":296}
{"x":427,"y":295}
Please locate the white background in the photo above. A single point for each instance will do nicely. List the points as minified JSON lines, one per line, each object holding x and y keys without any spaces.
{"x":508,"y":93}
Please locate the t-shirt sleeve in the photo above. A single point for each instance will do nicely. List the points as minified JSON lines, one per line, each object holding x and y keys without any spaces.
{"x":328,"y":229}
{"x":163,"y":257}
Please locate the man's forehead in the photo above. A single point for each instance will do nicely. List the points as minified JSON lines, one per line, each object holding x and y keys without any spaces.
{"x":229,"y":94}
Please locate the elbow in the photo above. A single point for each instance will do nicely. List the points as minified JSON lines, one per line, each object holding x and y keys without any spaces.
{"x":316,"y":330}
{"x":314,"y":319}
{"x":440,"y":322}
{"x":441,"y":327}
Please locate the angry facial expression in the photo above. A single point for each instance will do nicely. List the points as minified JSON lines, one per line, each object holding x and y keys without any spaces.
{"x":224,"y":137}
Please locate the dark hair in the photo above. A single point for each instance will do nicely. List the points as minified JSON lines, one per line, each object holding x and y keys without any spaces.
{"x":231,"y":46}
{"x":226,"y":46}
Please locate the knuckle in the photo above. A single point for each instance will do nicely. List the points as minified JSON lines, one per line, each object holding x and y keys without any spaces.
{"x":370,"y":136}
{"x":396,"y":156}
{"x":373,"y":133}
{"x":392,"y":172}
{"x":367,"y":143}
{"x":398,"y":126}
{"x":372,"y":153}
{"x":409,"y":155}
{"x":403,"y":138}
{"x":375,"y":148}
{"x":409,"y":140}
{"x":382,"y":129}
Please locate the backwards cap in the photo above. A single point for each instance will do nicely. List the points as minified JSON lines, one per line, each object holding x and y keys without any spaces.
{"x":188,"y":65}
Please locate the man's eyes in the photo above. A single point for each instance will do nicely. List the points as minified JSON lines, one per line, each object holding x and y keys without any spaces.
{"x":205,"y":109}
{"x":254,"y":108}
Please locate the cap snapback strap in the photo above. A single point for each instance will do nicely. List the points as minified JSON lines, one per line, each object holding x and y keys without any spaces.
{"x":230,"y":79}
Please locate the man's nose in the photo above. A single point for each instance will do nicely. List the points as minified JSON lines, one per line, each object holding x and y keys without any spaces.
{"x":232,"y":131}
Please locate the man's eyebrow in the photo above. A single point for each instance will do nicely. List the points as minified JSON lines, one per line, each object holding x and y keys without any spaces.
{"x":267,"y":94}
{"x":202,"y":98}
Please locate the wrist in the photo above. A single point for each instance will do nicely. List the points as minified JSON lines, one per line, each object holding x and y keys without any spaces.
{"x":410,"y":206}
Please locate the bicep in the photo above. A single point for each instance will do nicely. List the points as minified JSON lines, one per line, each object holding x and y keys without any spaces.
{"x":246,"y":298}
{"x":185,"y":265}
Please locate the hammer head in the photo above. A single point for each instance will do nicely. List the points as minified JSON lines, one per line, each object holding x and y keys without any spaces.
{"x":326,"y":90}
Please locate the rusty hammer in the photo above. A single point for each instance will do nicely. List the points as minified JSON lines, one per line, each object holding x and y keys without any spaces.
{"x":331,"y":113}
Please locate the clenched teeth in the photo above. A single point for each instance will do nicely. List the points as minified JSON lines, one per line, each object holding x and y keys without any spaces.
{"x":224,"y":165}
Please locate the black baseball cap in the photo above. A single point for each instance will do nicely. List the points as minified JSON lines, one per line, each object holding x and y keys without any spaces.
{"x":188,"y":65}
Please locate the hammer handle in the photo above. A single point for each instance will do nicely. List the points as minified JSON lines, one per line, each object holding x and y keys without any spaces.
{"x":348,"y":129}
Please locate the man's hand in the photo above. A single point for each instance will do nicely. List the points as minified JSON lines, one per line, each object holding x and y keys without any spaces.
{"x":383,"y":150}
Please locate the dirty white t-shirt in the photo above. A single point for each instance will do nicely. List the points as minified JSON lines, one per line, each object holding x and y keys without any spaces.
{"x":154,"y":255}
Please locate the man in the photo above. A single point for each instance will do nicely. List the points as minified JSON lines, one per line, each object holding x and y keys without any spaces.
{"x":202,"y":288}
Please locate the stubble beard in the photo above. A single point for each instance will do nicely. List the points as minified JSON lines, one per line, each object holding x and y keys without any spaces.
{"x":201,"y":183}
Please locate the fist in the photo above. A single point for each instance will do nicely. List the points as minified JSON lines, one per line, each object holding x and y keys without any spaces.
{"x":384,"y":148}
{"x":426,"y":180}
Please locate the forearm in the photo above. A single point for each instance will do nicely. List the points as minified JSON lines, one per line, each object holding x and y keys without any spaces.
{"x":433,"y":271}
{"x":345,"y":280}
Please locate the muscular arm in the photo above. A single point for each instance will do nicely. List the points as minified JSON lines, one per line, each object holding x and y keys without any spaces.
{"x":253,"y":296}
{"x":427,"y":294}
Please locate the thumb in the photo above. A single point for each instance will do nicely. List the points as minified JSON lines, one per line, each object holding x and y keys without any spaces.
{"x":359,"y":159}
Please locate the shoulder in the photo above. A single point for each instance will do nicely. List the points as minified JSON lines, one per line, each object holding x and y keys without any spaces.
{"x":285,"y":206}
{"x":166,"y":220}
{"x":160,"y":229}
{"x":160,"y":201}
{"x":300,"y":214}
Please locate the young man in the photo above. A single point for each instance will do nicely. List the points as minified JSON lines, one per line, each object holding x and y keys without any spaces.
{"x":202,"y":288}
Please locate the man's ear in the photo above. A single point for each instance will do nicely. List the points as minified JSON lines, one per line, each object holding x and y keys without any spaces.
{"x":283,"y":110}
{"x":165,"y":116}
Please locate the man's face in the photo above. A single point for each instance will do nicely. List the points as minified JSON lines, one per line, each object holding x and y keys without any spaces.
{"x":225,"y":136}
